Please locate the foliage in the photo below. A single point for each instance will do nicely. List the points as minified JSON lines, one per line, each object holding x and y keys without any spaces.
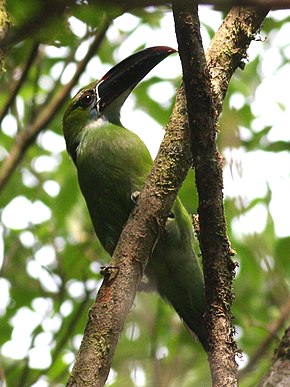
{"x":51,"y":258}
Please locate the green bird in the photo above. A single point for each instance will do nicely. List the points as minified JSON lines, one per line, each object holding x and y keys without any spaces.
{"x":112,"y":164}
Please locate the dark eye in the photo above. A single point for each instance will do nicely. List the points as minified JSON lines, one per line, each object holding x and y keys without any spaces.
{"x":86,"y":99}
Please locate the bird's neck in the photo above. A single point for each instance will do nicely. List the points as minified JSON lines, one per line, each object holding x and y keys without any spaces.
{"x":76,"y":143}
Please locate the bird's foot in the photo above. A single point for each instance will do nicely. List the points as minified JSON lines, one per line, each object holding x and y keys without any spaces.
{"x":135,"y":196}
{"x":109,"y":272}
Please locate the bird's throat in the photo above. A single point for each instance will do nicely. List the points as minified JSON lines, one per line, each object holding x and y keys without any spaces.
{"x":80,"y":142}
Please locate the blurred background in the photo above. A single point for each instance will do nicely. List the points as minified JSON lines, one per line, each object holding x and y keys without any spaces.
{"x":50,"y":258}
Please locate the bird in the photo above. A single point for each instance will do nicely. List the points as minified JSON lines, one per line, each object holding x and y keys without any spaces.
{"x":112,"y":164}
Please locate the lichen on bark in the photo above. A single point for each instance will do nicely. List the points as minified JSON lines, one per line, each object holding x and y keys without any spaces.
{"x":4,"y":28}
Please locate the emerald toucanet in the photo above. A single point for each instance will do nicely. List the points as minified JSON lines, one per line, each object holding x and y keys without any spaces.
{"x":112,"y":163}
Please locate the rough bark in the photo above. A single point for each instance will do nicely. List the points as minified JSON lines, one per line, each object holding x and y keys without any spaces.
{"x":221,"y":4}
{"x":4,"y":28}
{"x":214,"y":244}
{"x":228,"y":48}
{"x":262,"y":350}
{"x":279,"y":372}
{"x":122,"y":277}
{"x":141,"y":231}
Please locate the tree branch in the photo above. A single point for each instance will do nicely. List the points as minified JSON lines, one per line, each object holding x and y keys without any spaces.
{"x":116,"y":295}
{"x":47,"y":13}
{"x":214,"y":244}
{"x":55,"y":8}
{"x":278,"y":375}
{"x":17,"y":84}
{"x":273,"y":329}
{"x":224,"y":56}
{"x":66,"y":333}
{"x":229,"y":46}
{"x":4,"y":29}
{"x":26,"y":138}
{"x":221,"y":4}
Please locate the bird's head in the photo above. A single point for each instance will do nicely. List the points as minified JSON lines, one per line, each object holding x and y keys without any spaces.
{"x":102,"y":100}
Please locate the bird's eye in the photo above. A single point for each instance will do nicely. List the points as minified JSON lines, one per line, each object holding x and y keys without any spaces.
{"x":86,"y":99}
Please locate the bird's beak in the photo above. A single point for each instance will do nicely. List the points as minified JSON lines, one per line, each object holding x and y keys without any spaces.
{"x":122,"y":78}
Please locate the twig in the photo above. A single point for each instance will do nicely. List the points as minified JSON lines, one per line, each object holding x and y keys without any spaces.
{"x":278,"y":374}
{"x":17,"y":84}
{"x":68,"y":332}
{"x":273,"y":329}
{"x":48,"y":12}
{"x":4,"y":30}
{"x":25,"y":138}
{"x":56,"y":8}
{"x":68,"y":59}
{"x":220,"y":4}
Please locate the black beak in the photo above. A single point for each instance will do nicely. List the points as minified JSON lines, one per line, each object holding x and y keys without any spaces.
{"x":126,"y":74}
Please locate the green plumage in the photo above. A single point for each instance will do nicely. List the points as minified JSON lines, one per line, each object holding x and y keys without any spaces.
{"x":115,"y":163}
{"x":112,"y":163}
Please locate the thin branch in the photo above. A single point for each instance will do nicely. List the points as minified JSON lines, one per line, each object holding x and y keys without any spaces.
{"x":26,"y":138}
{"x":48,"y":13}
{"x":2,"y":375}
{"x":229,"y":46}
{"x":67,"y":334}
{"x":55,"y":8}
{"x":68,"y":59}
{"x":220,"y":4}
{"x":273,"y":329}
{"x":214,"y":244}
{"x":4,"y":30}
{"x":17,"y":84}
{"x":278,"y":374}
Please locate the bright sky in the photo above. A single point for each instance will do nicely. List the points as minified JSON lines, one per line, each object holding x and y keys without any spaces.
{"x":258,"y":168}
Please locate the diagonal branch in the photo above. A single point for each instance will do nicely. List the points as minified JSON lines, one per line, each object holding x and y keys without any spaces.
{"x":278,"y":374}
{"x":66,"y":332}
{"x":41,"y":17}
{"x":4,"y":31}
{"x":273,"y":329}
{"x":51,"y":11}
{"x":17,"y":84}
{"x":26,"y":138}
{"x":118,"y":290}
{"x":117,"y":293}
{"x":220,"y":4}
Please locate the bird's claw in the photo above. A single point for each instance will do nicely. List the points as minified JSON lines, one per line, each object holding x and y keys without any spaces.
{"x":134,"y":197}
{"x":109,"y":272}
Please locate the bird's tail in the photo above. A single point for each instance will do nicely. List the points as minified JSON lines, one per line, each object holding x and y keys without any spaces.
{"x":189,"y":303}
{"x":177,"y":274}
